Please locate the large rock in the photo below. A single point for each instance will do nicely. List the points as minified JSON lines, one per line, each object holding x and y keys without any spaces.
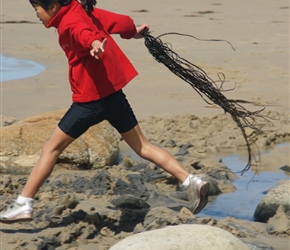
{"x":182,"y":237}
{"x":22,"y":142}
{"x":278,"y":196}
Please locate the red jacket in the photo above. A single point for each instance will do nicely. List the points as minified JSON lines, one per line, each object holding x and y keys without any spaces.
{"x":92,"y":79}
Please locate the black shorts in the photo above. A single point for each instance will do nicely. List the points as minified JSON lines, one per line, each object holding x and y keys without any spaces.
{"x":114,"y":108}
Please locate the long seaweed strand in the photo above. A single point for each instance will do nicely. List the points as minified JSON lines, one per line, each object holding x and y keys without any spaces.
{"x":204,"y":86}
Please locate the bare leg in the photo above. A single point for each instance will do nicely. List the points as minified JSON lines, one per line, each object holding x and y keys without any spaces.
{"x":137,"y":141}
{"x":43,"y":168}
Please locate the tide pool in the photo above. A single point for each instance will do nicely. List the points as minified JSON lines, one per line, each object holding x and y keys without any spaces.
{"x":250,"y":189}
{"x":13,"y":68}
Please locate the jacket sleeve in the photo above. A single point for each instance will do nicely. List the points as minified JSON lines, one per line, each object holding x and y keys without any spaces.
{"x":115,"y":23}
{"x":82,"y":33}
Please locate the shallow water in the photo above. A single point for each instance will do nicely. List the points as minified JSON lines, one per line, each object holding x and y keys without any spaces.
{"x":250,"y":190}
{"x":12,"y":68}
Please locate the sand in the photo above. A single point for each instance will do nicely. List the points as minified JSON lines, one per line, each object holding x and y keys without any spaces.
{"x":258,"y":68}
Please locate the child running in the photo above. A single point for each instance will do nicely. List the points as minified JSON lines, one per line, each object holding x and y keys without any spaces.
{"x":98,"y":70}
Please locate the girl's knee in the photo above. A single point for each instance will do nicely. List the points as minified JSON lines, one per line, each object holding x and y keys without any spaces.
{"x":49,"y":148}
{"x":149,"y":151}
{"x":141,"y":150}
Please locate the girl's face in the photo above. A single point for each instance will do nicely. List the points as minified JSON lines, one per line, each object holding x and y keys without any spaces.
{"x":46,"y":15}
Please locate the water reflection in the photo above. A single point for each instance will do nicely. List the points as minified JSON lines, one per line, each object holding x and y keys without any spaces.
{"x":12,"y":68}
{"x":250,"y":191}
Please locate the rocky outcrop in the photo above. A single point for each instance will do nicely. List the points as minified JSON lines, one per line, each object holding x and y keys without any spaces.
{"x":22,"y":142}
{"x":95,"y":209}
{"x":102,"y":207}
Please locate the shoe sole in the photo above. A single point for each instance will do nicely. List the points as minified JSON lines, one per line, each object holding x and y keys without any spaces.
{"x":20,"y":219}
{"x":203,"y":199}
{"x":15,"y":221}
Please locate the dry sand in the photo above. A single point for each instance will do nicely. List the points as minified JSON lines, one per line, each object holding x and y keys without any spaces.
{"x":259,"y":68}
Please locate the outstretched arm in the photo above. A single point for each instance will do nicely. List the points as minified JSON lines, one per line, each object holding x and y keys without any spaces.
{"x":115,"y":23}
{"x":98,"y":47}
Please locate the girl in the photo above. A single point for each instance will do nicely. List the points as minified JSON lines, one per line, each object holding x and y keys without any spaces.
{"x":98,"y":70}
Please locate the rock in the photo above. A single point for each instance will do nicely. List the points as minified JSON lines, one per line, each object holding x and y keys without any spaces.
{"x":6,"y":121}
{"x":215,"y":187}
{"x":278,"y":196}
{"x":286,"y":168}
{"x":259,"y":246}
{"x":22,"y":142}
{"x":234,"y":228}
{"x":69,"y":201}
{"x":226,"y":186}
{"x":136,"y":186}
{"x":129,"y":201}
{"x":78,"y":231}
{"x":100,"y":184}
{"x":279,"y":223}
{"x":160,"y":217}
{"x":182,"y":237}
{"x":185,"y":214}
{"x":106,"y":232}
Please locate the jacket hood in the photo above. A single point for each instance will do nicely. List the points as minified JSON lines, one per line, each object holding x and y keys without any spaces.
{"x":54,"y":22}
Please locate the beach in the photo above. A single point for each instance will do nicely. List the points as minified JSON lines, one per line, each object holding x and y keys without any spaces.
{"x":256,"y":71}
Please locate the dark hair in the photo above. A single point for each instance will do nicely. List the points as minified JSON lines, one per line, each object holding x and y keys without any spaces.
{"x":87,"y":4}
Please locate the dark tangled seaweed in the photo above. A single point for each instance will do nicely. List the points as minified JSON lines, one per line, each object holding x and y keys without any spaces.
{"x":204,"y":86}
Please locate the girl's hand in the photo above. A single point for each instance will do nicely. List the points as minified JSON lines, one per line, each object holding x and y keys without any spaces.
{"x":141,"y":31}
{"x":97,"y":48}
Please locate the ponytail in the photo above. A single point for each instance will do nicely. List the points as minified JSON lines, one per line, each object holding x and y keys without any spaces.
{"x":88,"y":4}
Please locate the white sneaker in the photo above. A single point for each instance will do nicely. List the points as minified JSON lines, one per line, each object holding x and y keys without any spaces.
{"x":197,"y":193}
{"x":17,"y":212}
